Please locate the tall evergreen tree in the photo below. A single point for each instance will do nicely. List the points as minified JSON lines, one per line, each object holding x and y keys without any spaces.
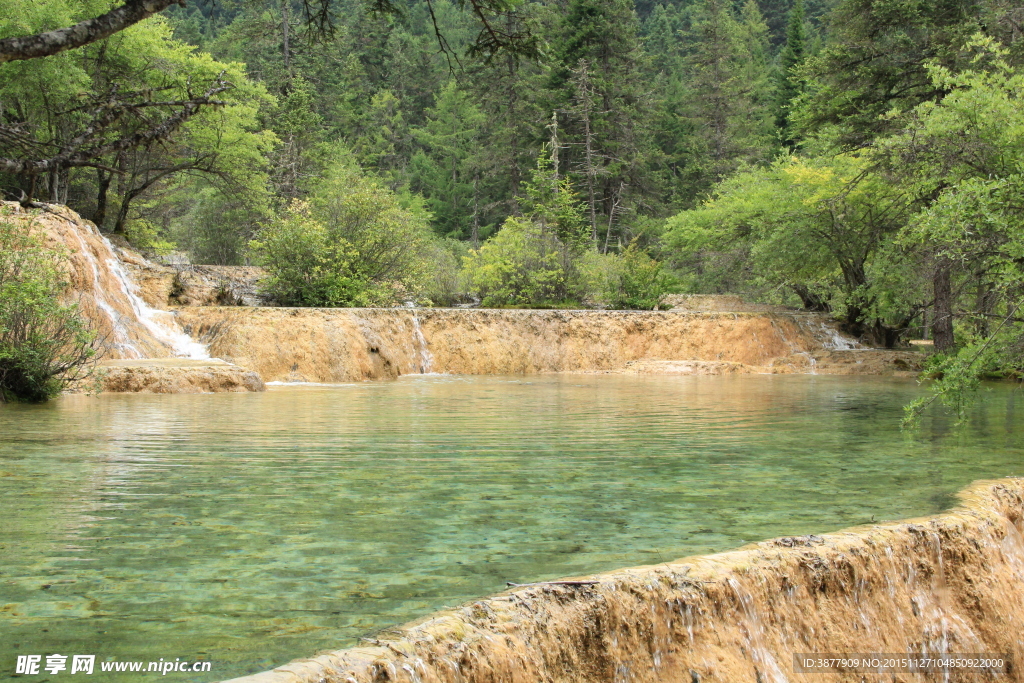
{"x":446,"y":169}
{"x":790,"y":83}
{"x":876,"y":61}
{"x":726,"y":95}
{"x":603,"y":107}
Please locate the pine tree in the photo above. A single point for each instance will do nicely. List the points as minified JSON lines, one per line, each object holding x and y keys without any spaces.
{"x":790,"y":83}
{"x":603,"y":107}
{"x":726,"y":105}
{"x":446,"y":169}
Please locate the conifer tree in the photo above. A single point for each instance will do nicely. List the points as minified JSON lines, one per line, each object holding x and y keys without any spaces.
{"x":725,"y":100}
{"x":445,"y":168}
{"x":789,"y":80}
{"x":604,"y":116}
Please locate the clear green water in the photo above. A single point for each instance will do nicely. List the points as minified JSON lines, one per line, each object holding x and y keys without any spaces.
{"x":250,"y":529}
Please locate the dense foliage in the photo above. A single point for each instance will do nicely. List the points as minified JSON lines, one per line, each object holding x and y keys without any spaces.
{"x":856,"y":157}
{"x":352,"y":244}
{"x":43,"y":342}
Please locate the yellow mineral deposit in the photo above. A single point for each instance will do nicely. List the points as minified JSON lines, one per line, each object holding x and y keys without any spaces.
{"x":134,"y":304}
{"x":104,"y":291}
{"x":950,"y":583}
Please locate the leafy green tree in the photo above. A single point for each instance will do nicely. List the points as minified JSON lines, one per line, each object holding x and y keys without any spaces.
{"x":963,"y":156}
{"x":44,"y":343}
{"x":351,"y":244}
{"x":141,"y":160}
{"x":301,"y":130}
{"x":820,"y":228}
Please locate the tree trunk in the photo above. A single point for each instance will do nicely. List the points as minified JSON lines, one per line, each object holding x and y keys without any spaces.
{"x":100,"y":217}
{"x":475,"y":235}
{"x":54,"y":185}
{"x":942,"y":324}
{"x":810,"y":300}
{"x":513,"y":126}
{"x":122,"y":216}
{"x":284,"y":37}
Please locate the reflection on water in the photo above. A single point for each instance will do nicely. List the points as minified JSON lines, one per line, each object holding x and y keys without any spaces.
{"x":251,"y":529}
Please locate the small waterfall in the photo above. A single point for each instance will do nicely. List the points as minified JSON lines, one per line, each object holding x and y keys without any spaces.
{"x":835,"y":341}
{"x":126,"y":310}
{"x":794,"y":348}
{"x":754,"y":633}
{"x":121,"y":340}
{"x":161,"y":324}
{"x":425,"y":358}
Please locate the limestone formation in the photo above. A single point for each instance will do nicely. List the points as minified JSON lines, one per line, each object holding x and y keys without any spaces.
{"x":345,"y":345}
{"x":145,"y":310}
{"x":170,"y":376}
{"x":952,"y":583}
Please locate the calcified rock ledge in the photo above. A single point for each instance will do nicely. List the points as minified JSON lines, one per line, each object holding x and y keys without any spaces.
{"x":344,"y":345}
{"x":949,"y":583}
{"x":170,"y":376}
{"x":124,"y":295}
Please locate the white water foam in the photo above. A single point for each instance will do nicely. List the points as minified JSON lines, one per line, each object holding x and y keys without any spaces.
{"x":835,"y":341}
{"x":160,"y":324}
{"x":420,"y":344}
{"x":121,"y":341}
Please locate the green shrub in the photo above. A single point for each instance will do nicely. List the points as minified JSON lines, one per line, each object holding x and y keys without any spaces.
{"x":533,"y":261}
{"x":524,"y":265}
{"x":44,"y":343}
{"x":643,"y":280}
{"x":443,"y":285}
{"x":630,"y":280}
{"x":351,"y":244}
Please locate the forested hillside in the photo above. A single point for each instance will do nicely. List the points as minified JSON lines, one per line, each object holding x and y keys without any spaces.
{"x":861,"y":157}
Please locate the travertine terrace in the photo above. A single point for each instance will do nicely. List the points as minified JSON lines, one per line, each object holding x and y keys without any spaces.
{"x":135,"y":305}
{"x":344,"y":345}
{"x":950,"y":583}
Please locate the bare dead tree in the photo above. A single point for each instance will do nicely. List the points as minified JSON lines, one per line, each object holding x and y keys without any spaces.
{"x":584,"y":109}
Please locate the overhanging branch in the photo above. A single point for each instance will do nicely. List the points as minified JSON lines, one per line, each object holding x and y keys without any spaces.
{"x":82,"y":33}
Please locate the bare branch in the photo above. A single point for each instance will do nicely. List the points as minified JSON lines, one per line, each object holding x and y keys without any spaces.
{"x":80,"y":152}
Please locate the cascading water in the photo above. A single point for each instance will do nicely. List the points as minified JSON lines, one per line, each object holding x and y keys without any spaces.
{"x":160,"y":324}
{"x":812,"y":362}
{"x":120,"y":340}
{"x":136,"y":330}
{"x":425,"y":358}
{"x":835,"y":341}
